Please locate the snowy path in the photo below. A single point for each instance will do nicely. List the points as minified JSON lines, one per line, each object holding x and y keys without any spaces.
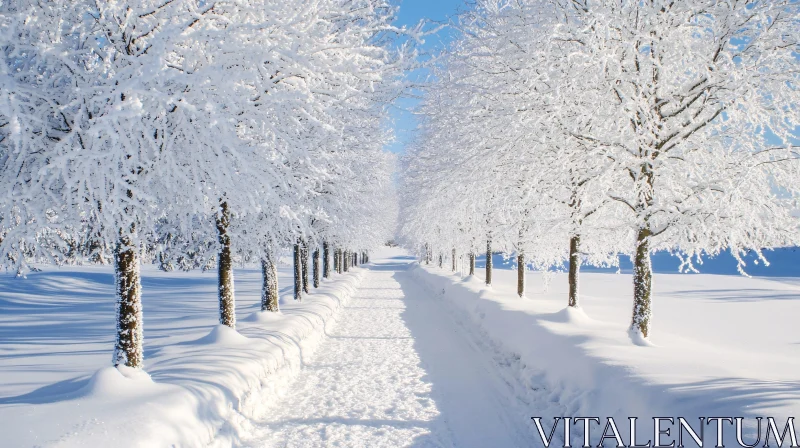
{"x":396,"y":370}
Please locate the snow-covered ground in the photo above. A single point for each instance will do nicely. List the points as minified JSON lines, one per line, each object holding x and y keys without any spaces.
{"x":397,"y":369}
{"x":56,"y":339}
{"x":391,"y":355}
{"x":722,"y":345}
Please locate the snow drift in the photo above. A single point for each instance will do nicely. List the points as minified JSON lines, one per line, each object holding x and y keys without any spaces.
{"x":721,"y":346}
{"x":202,"y":382}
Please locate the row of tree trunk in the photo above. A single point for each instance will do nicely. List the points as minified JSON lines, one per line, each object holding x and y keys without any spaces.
{"x":342,"y":261}
{"x":642,"y":275}
{"x":574,"y":267}
{"x":129,"y":347}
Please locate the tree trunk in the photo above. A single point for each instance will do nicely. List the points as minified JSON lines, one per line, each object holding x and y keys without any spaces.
{"x":227,"y":304}
{"x":454,"y":260}
{"x":521,"y":273}
{"x":489,"y":262}
{"x":304,"y":263}
{"x":574,"y":270}
{"x":298,"y":274}
{"x":441,"y":260}
{"x":326,"y":266}
{"x":128,"y":347}
{"x":427,"y":254}
{"x":269,"y":285}
{"x":642,"y":283}
{"x":471,"y":263}
{"x":346,"y":260}
{"x":336,"y":261}
{"x":315,"y":266}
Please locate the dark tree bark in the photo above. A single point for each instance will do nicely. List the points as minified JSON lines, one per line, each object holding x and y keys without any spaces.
{"x":441,"y":260}
{"x":346,"y":260}
{"x":471,"y":263}
{"x":488,"y":262}
{"x":642,"y":282}
{"x":454,"y":259}
{"x":304,"y":260}
{"x":574,"y":270}
{"x":315,"y":266}
{"x":326,"y":266}
{"x":336,"y":261}
{"x":227,"y":304}
{"x":298,"y":274}
{"x":129,"y":343}
{"x":521,"y":273}
{"x":269,"y":285}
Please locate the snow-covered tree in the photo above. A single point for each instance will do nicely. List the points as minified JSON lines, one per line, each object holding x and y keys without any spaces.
{"x":147,"y":128}
{"x":689,"y":92}
{"x":116,"y":154}
{"x":490,"y":130}
{"x":577,"y":130}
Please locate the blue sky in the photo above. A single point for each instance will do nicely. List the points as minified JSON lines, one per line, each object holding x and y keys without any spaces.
{"x":411,"y":12}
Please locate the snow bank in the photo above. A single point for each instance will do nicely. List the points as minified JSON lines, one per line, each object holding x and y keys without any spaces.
{"x":722,"y":345}
{"x":202,"y":382}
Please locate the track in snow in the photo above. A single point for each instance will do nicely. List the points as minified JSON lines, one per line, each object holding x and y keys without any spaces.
{"x":396,"y":370}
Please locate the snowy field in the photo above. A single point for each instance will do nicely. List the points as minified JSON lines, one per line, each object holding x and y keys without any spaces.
{"x":721,"y":346}
{"x":390,"y":355}
{"x":56,"y":338}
